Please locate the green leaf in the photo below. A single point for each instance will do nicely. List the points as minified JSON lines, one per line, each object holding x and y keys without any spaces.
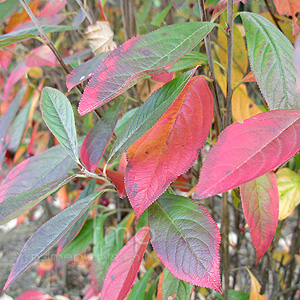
{"x":48,"y":234}
{"x":138,"y":291}
{"x":149,"y":295}
{"x":149,"y":113}
{"x":14,"y":206}
{"x":32,"y":32}
{"x":271,"y":57}
{"x":234,"y":295}
{"x":172,"y":285}
{"x":58,"y":115}
{"x":71,"y":234}
{"x":158,"y":19}
{"x":83,"y":239}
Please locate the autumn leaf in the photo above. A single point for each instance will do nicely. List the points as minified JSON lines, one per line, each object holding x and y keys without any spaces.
{"x":244,"y":151}
{"x":125,"y":266}
{"x":255,"y":288}
{"x":261,"y":205}
{"x":288,"y":183}
{"x":170,"y":147}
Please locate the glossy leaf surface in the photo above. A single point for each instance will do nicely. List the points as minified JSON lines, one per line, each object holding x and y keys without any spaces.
{"x":288,"y":183}
{"x":186,"y":239}
{"x":261,"y":206}
{"x":169,"y":148}
{"x":174,"y":286}
{"x":98,"y":137}
{"x":125,"y":266}
{"x":16,"y":205}
{"x":36,"y":171}
{"x":271,"y":58}
{"x":48,"y":234}
{"x":58,"y":115}
{"x":138,"y":57}
{"x":31,"y":32}
{"x":149,"y":113}
{"x":248,"y":150}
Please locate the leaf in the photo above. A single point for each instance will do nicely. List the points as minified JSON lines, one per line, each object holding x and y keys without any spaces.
{"x":261,"y":207}
{"x":125,"y":266}
{"x":186,"y":239}
{"x":234,"y":295}
{"x":33,"y":294}
{"x":244,"y":151}
{"x":82,"y":240}
{"x":271,"y":58}
{"x":289,"y":7}
{"x":117,"y":178}
{"x":242,"y":106}
{"x":220,"y":7}
{"x":72,"y":233}
{"x":40,"y":56}
{"x":58,"y":115}
{"x":98,"y":137}
{"x":138,"y":291}
{"x":288,"y":183}
{"x":36,"y":171}
{"x":6,"y":8}
{"x":297,"y":61}
{"x":152,"y":289}
{"x":31,"y":32}
{"x":48,"y":234}
{"x":149,"y":113}
{"x":10,"y":114}
{"x":138,"y":57}
{"x":84,"y":71}
{"x":172,"y":285}
{"x":255,"y":288}
{"x":14,"y":206}
{"x":169,"y":148}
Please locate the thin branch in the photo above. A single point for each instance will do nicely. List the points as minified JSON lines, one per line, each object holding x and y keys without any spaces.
{"x":211,"y":67}
{"x":102,"y":11}
{"x":88,"y":16}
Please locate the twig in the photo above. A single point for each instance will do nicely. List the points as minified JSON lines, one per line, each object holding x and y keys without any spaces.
{"x":211,"y":67}
{"x":228,"y":118}
{"x":88,"y":16}
{"x":102,"y":11}
{"x":272,"y":15}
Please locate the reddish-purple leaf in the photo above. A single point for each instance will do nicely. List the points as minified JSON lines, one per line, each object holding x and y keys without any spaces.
{"x":261,"y":208}
{"x":138,"y":57}
{"x":124,"y":268}
{"x":99,"y":136}
{"x":247,"y":150}
{"x":186,"y":239}
{"x":84,"y":71}
{"x":170,"y":147}
{"x":297,"y":61}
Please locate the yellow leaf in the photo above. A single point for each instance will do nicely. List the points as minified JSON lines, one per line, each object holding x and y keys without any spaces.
{"x":35,"y":72}
{"x":282,"y":257}
{"x":288,"y":183}
{"x":242,"y":106}
{"x":255,"y":288}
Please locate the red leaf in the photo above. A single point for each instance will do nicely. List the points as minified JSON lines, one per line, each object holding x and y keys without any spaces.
{"x":170,"y":147}
{"x":138,"y":57}
{"x":51,"y":9}
{"x":40,"y":56}
{"x":33,"y":295}
{"x":124,"y":268}
{"x":247,"y":150}
{"x":261,"y":208}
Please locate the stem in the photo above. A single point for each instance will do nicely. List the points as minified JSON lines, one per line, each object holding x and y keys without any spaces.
{"x":44,"y":36}
{"x":211,"y":67}
{"x":225,"y":244}
{"x":88,"y":16}
{"x":272,"y":15}
{"x":228,"y":118}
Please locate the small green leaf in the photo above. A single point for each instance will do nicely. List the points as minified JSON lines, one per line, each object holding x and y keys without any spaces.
{"x":58,"y":115}
{"x":172,"y":285}
{"x":7,"y":8}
